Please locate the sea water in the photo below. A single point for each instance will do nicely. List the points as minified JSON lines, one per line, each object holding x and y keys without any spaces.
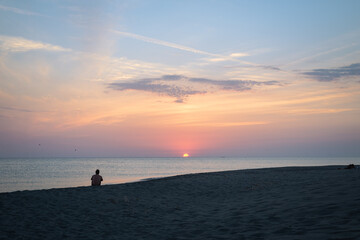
{"x":46,"y":173}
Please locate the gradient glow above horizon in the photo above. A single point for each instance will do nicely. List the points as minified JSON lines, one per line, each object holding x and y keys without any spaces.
{"x":165,"y":78}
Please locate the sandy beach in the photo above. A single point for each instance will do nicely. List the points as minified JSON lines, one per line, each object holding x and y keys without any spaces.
{"x":274,"y":203}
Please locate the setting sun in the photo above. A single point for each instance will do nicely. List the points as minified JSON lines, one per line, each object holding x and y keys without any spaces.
{"x":186,"y":155}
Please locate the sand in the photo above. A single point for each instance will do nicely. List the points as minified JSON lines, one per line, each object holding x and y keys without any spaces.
{"x":277,"y":203}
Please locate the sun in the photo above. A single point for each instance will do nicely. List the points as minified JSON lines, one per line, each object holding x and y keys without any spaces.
{"x":186,"y":155}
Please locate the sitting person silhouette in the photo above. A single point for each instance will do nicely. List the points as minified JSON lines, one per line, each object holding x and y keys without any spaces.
{"x":96,"y":179}
{"x":350,"y":166}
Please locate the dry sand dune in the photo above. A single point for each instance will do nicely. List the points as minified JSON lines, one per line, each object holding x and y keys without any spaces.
{"x":278,"y":203}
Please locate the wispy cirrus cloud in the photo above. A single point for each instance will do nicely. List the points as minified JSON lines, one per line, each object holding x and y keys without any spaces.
{"x":157,"y":85}
{"x":234,"y":85}
{"x":162,"y":43}
{"x":235,"y":57}
{"x":162,"y":89}
{"x":18,"y":11}
{"x":181,"y":87}
{"x":19,"y":44}
{"x":319,"y":54}
{"x":239,"y":54}
{"x":270,"y":67}
{"x":16,"y":109}
{"x":231,"y":57}
{"x":266,"y":67}
{"x":331,"y":74}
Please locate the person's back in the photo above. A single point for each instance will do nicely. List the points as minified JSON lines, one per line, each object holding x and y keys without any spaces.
{"x":96,"y":179}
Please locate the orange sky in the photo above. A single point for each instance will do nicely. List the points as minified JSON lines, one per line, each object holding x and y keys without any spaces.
{"x":119,"y":87}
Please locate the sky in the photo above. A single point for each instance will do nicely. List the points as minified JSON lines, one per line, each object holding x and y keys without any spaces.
{"x":149,"y":78}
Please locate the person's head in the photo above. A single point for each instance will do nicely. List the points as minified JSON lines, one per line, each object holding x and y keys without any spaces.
{"x":97,"y":171}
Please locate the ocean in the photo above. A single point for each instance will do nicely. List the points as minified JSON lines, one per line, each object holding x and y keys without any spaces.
{"x":45,"y":173}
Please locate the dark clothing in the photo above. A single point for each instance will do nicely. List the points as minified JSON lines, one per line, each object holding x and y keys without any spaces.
{"x":96,"y":180}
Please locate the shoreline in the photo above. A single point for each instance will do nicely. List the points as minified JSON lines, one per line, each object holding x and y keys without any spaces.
{"x":140,"y":179}
{"x":36,"y":174}
{"x":268,"y":203}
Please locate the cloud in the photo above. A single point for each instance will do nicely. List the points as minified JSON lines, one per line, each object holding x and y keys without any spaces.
{"x":231,"y":57}
{"x":214,"y":57}
{"x":218,"y":59}
{"x":235,"y":55}
{"x":181,"y":87}
{"x":16,"y":109}
{"x":162,"y":43}
{"x":271,"y":68}
{"x":235,"y":85}
{"x":226,"y":124}
{"x":172,"y":77}
{"x":331,"y":74}
{"x":19,"y":44}
{"x":18,"y":11}
{"x":320,"y":54}
{"x":266,"y":67}
{"x":148,"y":85}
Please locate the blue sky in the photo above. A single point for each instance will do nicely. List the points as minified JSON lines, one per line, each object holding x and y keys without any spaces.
{"x":159,"y":78}
{"x":274,"y":29}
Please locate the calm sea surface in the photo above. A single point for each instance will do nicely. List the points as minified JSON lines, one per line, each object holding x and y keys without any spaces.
{"x":45,"y":173}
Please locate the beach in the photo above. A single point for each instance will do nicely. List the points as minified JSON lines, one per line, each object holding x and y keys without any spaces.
{"x":273,"y":203}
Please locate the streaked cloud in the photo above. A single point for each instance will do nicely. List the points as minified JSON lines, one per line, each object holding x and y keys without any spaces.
{"x":226,"y":124}
{"x":18,"y":11}
{"x":266,"y":67}
{"x":180,"y":86}
{"x":151,"y":85}
{"x":213,"y":57}
{"x":162,"y":43}
{"x":318,"y":111}
{"x":218,"y":59}
{"x":270,"y":68}
{"x":235,"y":85}
{"x":235,"y":55}
{"x":19,"y":44}
{"x":16,"y":109}
{"x":313,"y":56}
{"x":331,"y":74}
{"x":230,"y":57}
